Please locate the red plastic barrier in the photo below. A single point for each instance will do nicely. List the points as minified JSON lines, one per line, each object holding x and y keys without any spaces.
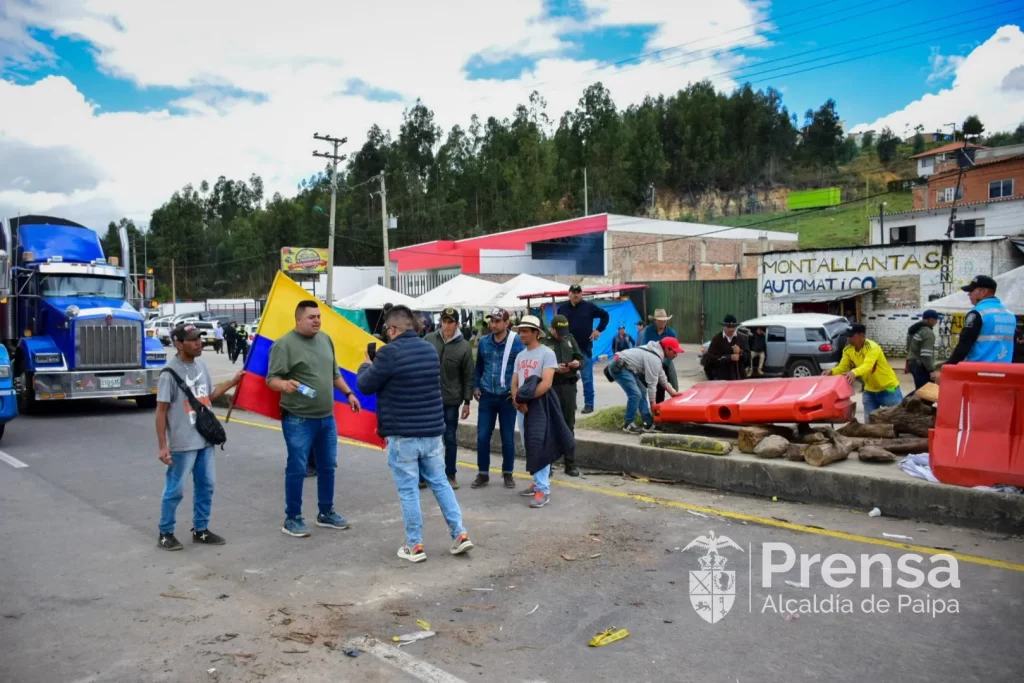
{"x":977,"y":439}
{"x":753,"y":401}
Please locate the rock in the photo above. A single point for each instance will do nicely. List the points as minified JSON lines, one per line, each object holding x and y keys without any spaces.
{"x":771,"y":447}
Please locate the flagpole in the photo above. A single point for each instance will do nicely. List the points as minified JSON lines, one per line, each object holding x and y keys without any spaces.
{"x":245,"y":364}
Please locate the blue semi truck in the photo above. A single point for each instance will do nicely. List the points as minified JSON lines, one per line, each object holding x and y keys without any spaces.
{"x":67,"y":319}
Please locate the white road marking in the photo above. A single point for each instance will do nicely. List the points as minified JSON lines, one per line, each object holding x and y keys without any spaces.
{"x":388,"y":654}
{"x":12,"y":461}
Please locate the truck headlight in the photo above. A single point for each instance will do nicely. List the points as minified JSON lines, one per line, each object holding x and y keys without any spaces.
{"x":156,"y":357}
{"x":47,"y":358}
{"x":5,"y":371}
{"x":71,"y":311}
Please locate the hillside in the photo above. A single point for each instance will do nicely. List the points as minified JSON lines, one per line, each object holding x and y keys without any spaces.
{"x":842,"y":226}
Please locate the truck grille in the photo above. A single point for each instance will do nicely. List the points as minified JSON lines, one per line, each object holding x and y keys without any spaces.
{"x":99,"y":345}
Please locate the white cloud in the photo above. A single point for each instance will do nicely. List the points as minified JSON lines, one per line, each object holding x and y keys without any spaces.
{"x":986,"y":83}
{"x":301,"y":62}
{"x":943,"y":66}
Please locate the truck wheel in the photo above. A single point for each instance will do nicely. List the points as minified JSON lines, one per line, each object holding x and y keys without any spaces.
{"x":27,"y":396}
{"x":800,"y":368}
{"x":146,"y":402}
{"x":2,"y":428}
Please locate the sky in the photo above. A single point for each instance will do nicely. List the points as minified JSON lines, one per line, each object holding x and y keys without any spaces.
{"x":108,"y":106}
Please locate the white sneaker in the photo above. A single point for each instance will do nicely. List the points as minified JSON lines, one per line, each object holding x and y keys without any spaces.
{"x":416,"y":554}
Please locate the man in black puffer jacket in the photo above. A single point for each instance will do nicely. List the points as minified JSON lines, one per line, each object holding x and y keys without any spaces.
{"x":406,"y":377}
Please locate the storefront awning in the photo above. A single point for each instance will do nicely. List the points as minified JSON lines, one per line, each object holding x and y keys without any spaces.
{"x":822,"y":295}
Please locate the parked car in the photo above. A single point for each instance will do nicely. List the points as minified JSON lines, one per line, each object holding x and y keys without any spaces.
{"x":799,"y":344}
{"x":160,"y":328}
{"x":207,"y":330}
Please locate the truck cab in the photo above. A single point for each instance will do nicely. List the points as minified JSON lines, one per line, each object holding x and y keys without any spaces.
{"x":66,"y":317}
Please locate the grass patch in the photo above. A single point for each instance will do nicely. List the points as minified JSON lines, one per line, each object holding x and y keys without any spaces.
{"x":606,"y":420}
{"x":838,"y":227}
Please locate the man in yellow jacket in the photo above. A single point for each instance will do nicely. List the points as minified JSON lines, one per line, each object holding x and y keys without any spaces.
{"x":864,"y":358}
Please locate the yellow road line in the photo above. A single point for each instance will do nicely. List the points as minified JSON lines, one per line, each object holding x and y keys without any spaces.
{"x":741,"y":516}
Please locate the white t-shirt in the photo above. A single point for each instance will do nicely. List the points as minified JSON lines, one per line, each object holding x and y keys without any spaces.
{"x":533,"y":363}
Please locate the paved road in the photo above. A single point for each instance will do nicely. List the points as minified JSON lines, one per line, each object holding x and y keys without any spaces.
{"x":81,"y":579}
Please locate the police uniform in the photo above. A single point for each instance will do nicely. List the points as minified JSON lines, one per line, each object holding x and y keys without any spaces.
{"x":564,"y":385}
{"x":988,"y":333}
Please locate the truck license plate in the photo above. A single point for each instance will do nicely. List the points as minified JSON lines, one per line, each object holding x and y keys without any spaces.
{"x":110,"y":382}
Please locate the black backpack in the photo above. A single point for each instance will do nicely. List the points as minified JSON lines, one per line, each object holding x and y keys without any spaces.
{"x":207,"y":424}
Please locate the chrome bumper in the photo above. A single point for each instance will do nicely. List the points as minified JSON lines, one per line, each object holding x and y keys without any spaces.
{"x":71,"y":385}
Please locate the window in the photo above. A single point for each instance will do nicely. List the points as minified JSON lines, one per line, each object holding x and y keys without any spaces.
{"x":928,"y":163}
{"x":1000,"y":188}
{"x":903,"y":235}
{"x":946,"y":194}
{"x":776,"y":334}
{"x":815,"y":334}
{"x":80,"y":285}
{"x":971,"y":228}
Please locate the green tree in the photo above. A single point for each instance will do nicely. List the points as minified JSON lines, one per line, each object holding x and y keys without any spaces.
{"x":972,"y":127}
{"x":867,"y":140}
{"x":823,"y":137}
{"x":887,"y":145}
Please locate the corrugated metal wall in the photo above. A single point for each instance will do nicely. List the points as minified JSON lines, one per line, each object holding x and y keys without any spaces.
{"x":697,"y":307}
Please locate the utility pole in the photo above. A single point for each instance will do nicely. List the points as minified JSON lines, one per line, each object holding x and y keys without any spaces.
{"x":586,"y":207}
{"x":174,"y":291}
{"x":881,"y":221}
{"x":959,"y":177}
{"x":384,"y":230}
{"x":335,"y":158}
{"x":135,"y":269}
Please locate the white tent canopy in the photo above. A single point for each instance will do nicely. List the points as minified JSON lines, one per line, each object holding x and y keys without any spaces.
{"x":1009,"y":289}
{"x":375,"y":296}
{"x":507,"y":295}
{"x":452,"y":293}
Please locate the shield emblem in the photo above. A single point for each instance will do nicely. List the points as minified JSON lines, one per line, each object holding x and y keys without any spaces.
{"x":712,"y":593}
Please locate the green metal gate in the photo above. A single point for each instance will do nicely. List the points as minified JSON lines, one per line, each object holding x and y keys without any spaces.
{"x":697,"y":307}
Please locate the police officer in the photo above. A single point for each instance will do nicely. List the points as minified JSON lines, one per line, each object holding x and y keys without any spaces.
{"x":989,"y":328}
{"x":570,"y":358}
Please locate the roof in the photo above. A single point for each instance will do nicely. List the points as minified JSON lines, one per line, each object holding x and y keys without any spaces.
{"x":822,"y":295}
{"x":793,"y":319}
{"x":977,"y":164}
{"x":1009,"y":290}
{"x":959,"y":205}
{"x":603,"y":289}
{"x":458,"y":288}
{"x":374,"y":297}
{"x":947,"y":148}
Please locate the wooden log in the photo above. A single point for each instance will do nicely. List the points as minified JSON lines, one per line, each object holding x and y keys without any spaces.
{"x":910,"y":417}
{"x":751,"y":435}
{"x":838,"y":448}
{"x":814,"y":437}
{"x":900,"y":446}
{"x":875,"y":431}
{"x":796,"y":451}
{"x":874,"y":454}
{"x":773,"y":446}
{"x":686,"y":442}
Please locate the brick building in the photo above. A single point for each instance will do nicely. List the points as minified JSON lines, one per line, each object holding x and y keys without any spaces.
{"x":605,"y":249}
{"x":886,"y":287}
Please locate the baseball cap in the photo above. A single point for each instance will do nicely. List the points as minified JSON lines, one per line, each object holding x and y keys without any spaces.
{"x":560,"y":321}
{"x":930,"y":314}
{"x":576,"y":288}
{"x":531,"y":322}
{"x":186,"y":332}
{"x":499,"y":313}
{"x":450,"y":313}
{"x":671,"y":344}
{"x":980,"y":281}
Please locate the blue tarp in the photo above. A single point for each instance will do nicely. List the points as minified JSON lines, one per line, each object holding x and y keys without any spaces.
{"x":619,"y":313}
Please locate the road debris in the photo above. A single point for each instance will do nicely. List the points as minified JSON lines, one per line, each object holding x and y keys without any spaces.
{"x":667,"y":621}
{"x":899,"y":537}
{"x":595,"y":556}
{"x":609,"y":635}
{"x":299,"y":637}
{"x":352,"y":651}
{"x":179,"y":596}
{"x":875,"y":512}
{"x":223,"y":596}
{"x":222,"y":638}
{"x":330,"y":644}
{"x":211,"y":671}
{"x":486,"y":589}
{"x":794,"y":584}
{"x":399,"y":612}
{"x":332,"y":605}
{"x":284,"y":611}
{"x":479,"y":666}
{"x":423,"y":624}
{"x":568,"y":558}
{"x":479,"y":608}
{"x":790,"y":616}
{"x":697,"y":514}
{"x":412,"y":637}
{"x":535,"y":608}
{"x":295,"y":652}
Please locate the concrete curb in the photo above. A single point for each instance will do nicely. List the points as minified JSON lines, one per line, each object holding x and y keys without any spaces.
{"x":904,"y":497}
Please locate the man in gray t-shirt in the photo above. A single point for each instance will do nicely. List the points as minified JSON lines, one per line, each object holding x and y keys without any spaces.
{"x":182,"y":448}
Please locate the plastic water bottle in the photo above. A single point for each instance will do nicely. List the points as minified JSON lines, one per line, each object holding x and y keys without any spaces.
{"x":308,"y":392}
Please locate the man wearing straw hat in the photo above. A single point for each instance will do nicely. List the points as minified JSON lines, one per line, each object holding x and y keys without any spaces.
{"x":655,"y":332}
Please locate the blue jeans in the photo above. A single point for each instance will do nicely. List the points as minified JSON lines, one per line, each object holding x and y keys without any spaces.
{"x":873,"y":400}
{"x":494,"y":408}
{"x":200,"y":465}
{"x":411,"y":458}
{"x":636,"y":395}
{"x":920,"y":374}
{"x":542,"y":480}
{"x":587,"y":373}
{"x":303,"y":435}
{"x":451,"y":442}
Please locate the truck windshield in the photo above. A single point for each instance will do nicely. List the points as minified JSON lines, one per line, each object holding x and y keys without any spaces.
{"x":81,"y":285}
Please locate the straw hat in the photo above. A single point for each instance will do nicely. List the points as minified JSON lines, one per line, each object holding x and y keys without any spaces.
{"x":660,"y":314}
{"x":532,"y":322}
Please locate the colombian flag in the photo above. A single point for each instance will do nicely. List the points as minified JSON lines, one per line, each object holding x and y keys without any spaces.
{"x":349,"y":347}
